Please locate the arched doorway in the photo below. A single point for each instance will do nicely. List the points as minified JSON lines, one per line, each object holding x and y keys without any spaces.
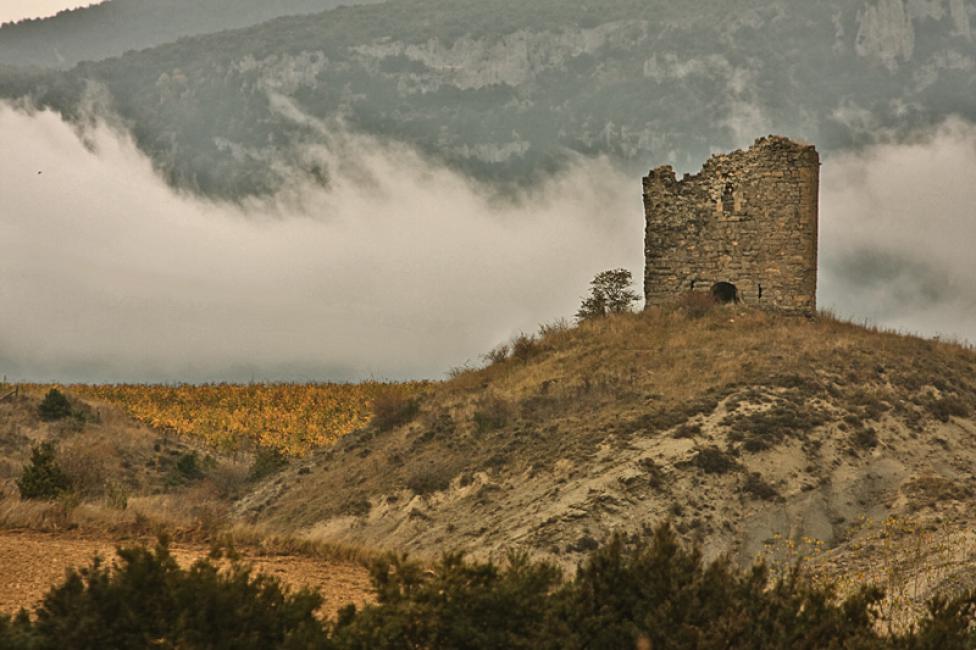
{"x":725,"y":293}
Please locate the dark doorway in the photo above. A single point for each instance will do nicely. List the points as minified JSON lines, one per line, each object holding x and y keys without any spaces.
{"x":728,"y":199}
{"x":725,"y":293}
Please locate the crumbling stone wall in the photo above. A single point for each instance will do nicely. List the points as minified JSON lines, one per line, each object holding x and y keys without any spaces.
{"x":748,"y":218}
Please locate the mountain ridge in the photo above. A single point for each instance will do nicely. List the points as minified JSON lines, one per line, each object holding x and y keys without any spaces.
{"x":114,"y":27}
{"x":508,"y":94}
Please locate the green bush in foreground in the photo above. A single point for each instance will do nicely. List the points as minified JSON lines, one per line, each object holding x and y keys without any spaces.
{"x":148,"y":601}
{"x":658,"y":595}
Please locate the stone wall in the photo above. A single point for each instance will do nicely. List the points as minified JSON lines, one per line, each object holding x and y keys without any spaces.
{"x":748,"y":218}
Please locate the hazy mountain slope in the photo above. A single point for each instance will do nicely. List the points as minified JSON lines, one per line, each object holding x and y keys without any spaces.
{"x":117,"y":26}
{"x":508,"y":90}
{"x":739,"y":426}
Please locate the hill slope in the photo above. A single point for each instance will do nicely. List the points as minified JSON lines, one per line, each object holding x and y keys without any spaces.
{"x":738,"y":425}
{"x":509,"y":91}
{"x":117,"y":26}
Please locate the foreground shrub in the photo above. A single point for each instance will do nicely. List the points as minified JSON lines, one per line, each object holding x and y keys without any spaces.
{"x":148,"y":601}
{"x":54,"y":406}
{"x":42,"y":477}
{"x":648,"y":591}
{"x":666,"y":595}
{"x":454,"y":605}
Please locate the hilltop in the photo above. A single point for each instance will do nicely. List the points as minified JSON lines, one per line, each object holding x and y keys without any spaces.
{"x":739,"y":426}
{"x":509,"y":92}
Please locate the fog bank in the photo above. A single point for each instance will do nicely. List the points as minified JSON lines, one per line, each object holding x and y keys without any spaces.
{"x":898,"y":222}
{"x":400,"y":269}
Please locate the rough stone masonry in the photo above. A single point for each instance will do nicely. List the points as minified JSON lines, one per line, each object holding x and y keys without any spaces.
{"x":748,"y":219}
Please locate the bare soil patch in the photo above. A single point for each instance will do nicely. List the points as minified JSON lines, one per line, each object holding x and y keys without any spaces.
{"x":31,"y":562}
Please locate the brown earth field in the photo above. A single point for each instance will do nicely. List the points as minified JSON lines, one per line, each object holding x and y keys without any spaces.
{"x":31,"y":562}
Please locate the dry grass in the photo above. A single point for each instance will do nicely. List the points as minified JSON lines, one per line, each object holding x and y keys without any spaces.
{"x":678,"y":358}
{"x":268,"y":542}
{"x":193,"y":519}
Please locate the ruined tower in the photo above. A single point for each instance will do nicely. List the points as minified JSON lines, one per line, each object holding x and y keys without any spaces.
{"x":748,"y":219}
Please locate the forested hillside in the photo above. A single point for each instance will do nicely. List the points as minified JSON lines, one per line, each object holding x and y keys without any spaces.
{"x":117,"y":26}
{"x":509,"y":91}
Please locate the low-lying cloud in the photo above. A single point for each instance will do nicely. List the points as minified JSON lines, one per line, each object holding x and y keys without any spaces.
{"x":399,"y":269}
{"x":898,"y":222}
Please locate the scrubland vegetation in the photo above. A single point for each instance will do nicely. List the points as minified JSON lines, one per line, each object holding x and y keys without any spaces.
{"x":645,"y":593}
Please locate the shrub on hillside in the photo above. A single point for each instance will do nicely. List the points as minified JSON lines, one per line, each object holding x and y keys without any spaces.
{"x":86,"y":464}
{"x":267,"y":461}
{"x":498,"y":354}
{"x":392,"y":407}
{"x":610,"y":293}
{"x":187,"y":468}
{"x":554,"y":328}
{"x":491,"y":413}
{"x":865,"y":438}
{"x":761,"y":430}
{"x":713,"y":460}
{"x":947,"y":407}
{"x":757,"y":487}
{"x":455,"y":604}
{"x":430,"y":479}
{"x":230,"y":478}
{"x":54,"y":406}
{"x":524,"y":347}
{"x":42,"y":478}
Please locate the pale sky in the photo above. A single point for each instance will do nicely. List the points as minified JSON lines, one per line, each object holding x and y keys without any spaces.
{"x":13,"y":10}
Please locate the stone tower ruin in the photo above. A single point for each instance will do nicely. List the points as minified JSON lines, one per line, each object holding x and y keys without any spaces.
{"x":744,"y":228}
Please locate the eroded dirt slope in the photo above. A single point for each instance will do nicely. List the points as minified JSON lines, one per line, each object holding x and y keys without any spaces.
{"x":739,"y":426}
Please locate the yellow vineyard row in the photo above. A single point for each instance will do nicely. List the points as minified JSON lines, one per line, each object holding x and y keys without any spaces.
{"x":293,"y":418}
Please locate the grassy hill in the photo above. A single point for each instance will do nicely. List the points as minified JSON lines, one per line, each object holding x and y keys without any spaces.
{"x":742,"y":427}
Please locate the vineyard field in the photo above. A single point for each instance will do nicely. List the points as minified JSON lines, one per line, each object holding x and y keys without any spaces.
{"x":293,"y":418}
